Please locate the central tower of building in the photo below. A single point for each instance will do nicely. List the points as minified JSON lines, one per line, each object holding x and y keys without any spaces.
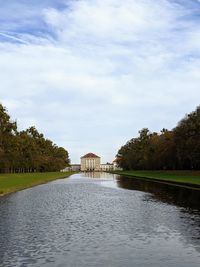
{"x":90,"y":162}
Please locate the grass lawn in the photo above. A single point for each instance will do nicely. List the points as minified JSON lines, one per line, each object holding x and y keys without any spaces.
{"x":14,"y":182}
{"x":182,"y":177}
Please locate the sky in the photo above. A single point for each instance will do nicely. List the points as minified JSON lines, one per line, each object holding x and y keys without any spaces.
{"x":90,"y":74}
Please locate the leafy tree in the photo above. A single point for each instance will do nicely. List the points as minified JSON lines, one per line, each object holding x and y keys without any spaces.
{"x":187,"y":138}
{"x":27,"y":151}
{"x":7,"y":135}
{"x":176,"y":149}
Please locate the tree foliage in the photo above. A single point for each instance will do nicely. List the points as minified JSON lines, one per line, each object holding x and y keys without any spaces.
{"x":175,"y":149}
{"x":28,"y":150}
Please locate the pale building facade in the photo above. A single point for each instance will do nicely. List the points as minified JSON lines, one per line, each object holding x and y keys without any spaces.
{"x":90,"y":162}
{"x":67,"y":169}
{"x":107,"y":167}
{"x":110,"y":167}
{"x":76,"y":167}
{"x":115,"y":166}
{"x":73,"y":168}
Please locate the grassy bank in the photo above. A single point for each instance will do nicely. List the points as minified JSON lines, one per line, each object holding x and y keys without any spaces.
{"x":14,"y":182}
{"x":191,"y":178}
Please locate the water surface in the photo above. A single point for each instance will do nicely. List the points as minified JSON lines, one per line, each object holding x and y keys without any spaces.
{"x":100,"y":220}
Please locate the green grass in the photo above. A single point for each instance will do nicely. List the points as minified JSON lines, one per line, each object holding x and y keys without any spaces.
{"x":14,"y":182}
{"x":178,"y":177}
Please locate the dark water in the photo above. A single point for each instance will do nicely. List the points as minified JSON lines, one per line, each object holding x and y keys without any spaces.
{"x":99,"y":221}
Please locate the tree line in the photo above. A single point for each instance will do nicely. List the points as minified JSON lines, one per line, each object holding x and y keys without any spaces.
{"x":27,"y":150}
{"x":176,"y":149}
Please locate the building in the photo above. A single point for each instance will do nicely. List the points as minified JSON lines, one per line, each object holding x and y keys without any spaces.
{"x":116,"y":166}
{"x":90,"y":162}
{"x":106,"y":167}
{"x":110,"y":167}
{"x":66,"y":169}
{"x":73,"y":168}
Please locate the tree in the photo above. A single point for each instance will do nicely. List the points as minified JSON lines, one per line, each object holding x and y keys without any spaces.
{"x":175,"y":149}
{"x":187,"y":138}
{"x":27,"y":151}
{"x":7,"y":134}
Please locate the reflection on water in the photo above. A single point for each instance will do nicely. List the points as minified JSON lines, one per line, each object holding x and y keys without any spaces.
{"x":98,"y":222}
{"x":188,"y":199}
{"x":171,"y":194}
{"x":96,"y":175}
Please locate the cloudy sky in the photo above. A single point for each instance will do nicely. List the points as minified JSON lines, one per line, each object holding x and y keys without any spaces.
{"x":90,"y":73}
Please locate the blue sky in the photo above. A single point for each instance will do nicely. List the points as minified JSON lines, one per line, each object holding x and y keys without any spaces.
{"x":90,"y":74}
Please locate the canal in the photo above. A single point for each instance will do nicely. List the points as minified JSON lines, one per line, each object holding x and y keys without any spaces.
{"x":100,"y":219}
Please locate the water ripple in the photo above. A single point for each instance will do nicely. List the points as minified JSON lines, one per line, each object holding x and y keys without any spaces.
{"x":84,"y":221}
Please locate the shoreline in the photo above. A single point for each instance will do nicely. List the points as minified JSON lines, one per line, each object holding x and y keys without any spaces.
{"x":167,"y":181}
{"x":39,"y":179}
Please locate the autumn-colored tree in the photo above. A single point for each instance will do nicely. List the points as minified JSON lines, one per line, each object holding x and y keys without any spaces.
{"x":27,"y":151}
{"x":176,"y":149}
{"x":187,"y":138}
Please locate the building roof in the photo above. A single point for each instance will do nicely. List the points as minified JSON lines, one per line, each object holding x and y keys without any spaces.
{"x":90,"y":155}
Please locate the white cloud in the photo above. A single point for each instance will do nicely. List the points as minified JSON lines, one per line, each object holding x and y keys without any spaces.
{"x":109,"y":69}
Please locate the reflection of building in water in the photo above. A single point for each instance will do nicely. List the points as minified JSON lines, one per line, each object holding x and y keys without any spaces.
{"x":100,"y":175}
{"x":90,"y":162}
{"x":90,"y":174}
